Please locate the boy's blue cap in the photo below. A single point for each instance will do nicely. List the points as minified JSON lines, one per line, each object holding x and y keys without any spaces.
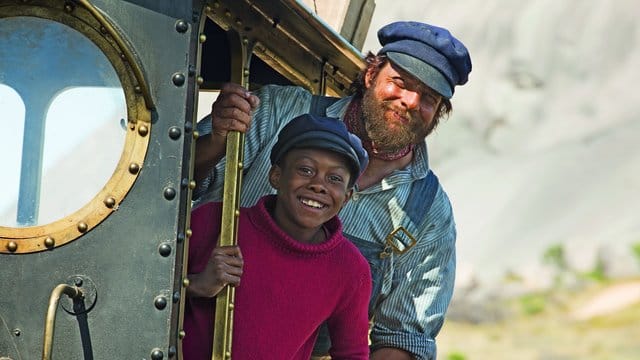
{"x":311,"y":131}
{"x":428,"y":52}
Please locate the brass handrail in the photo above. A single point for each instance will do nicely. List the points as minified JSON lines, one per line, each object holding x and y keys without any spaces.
{"x":50,"y":320}
{"x":241,"y":49}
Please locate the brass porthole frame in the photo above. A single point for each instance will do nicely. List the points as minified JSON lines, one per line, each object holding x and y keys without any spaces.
{"x":86,"y":19}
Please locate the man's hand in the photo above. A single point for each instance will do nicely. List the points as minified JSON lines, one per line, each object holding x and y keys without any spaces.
{"x":223,"y":268}
{"x":231,"y":111}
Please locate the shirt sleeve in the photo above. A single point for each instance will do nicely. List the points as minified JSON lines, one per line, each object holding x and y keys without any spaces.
{"x":410,"y":316}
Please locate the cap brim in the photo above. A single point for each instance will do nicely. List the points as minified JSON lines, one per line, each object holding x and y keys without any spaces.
{"x":323,"y":140}
{"x":424,"y":72}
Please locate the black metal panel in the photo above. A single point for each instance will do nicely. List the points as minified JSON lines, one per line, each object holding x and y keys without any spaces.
{"x":133,"y":260}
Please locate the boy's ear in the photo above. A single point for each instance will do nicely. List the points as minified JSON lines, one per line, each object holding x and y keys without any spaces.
{"x":347,"y":196}
{"x":274,"y":176}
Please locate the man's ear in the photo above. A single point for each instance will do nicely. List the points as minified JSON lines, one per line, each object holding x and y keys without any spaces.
{"x":369,"y":77}
{"x":274,"y":176}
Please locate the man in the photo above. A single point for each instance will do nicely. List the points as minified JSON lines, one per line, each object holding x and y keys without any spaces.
{"x":399,"y":216}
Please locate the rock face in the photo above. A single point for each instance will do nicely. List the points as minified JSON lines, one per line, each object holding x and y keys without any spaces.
{"x":541,"y":150}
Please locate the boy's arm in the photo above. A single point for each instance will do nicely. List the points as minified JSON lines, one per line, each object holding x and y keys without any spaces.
{"x":349,"y":326}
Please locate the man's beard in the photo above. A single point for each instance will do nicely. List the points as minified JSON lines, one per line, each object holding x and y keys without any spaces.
{"x":387,"y":139}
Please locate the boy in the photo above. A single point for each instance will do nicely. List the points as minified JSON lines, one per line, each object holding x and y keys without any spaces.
{"x":297,"y":269}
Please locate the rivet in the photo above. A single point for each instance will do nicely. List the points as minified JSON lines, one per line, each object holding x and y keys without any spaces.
{"x":83,"y":227}
{"x":188,"y":126}
{"x":199,"y":80}
{"x":182,"y":26}
{"x":237,"y":213}
{"x":184,"y":183}
{"x":202,"y":38}
{"x":207,"y":9}
{"x":238,"y":22}
{"x":12,"y":246}
{"x":227,"y":13}
{"x":240,"y":165}
{"x":189,"y":233}
{"x":181,"y":334}
{"x":103,"y":29}
{"x":174,"y":132}
{"x":123,"y":57}
{"x":160,"y":302}
{"x":134,"y":168}
{"x":143,"y":130}
{"x":196,"y":135}
{"x":157,"y":354}
{"x":178,"y":79}
{"x":137,"y":89}
{"x":227,"y":355}
{"x":17,"y":332}
{"x":176,"y":296}
{"x":165,"y":250}
{"x":245,"y":72}
{"x":231,"y":306}
{"x":77,"y":281}
{"x":180,"y":238}
{"x":216,"y":4}
{"x":169,"y":193}
{"x":192,"y":184}
{"x":192,"y":70}
{"x":185,"y":282}
{"x":110,"y":202}
{"x":68,"y":7}
{"x":245,"y":40}
{"x":49,"y":242}
{"x":172,"y":351}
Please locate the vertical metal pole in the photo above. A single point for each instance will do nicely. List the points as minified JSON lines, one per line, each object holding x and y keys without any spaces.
{"x":241,"y":49}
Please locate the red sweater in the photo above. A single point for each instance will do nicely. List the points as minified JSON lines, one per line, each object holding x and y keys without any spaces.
{"x":288,"y":289}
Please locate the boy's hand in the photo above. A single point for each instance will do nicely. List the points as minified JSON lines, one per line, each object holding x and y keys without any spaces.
{"x":223,"y":268}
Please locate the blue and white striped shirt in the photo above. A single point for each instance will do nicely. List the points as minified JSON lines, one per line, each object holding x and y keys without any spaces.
{"x":416,"y":287}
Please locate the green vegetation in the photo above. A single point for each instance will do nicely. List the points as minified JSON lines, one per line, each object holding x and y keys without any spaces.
{"x":456,"y":355}
{"x":635,"y":248}
{"x":554,"y":255}
{"x":533,"y":304}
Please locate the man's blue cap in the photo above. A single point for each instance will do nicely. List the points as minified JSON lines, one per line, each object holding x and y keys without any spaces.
{"x":310,"y":131}
{"x":428,"y":52}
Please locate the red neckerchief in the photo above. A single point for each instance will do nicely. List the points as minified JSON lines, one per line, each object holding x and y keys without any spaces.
{"x":355,"y":124}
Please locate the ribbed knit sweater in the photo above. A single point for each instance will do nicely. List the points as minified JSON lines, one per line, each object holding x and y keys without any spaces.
{"x":287,"y":290}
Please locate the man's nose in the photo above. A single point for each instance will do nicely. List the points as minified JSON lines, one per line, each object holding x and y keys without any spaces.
{"x":411,"y":99}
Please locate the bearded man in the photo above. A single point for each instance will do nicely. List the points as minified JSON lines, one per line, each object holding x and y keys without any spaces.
{"x":399,"y":216}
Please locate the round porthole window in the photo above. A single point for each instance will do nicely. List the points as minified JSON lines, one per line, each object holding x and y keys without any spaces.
{"x":76,"y":120}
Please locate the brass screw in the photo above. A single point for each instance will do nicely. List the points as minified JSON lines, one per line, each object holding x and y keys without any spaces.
{"x":143,"y":130}
{"x":49,"y":242}
{"x":12,"y":246}
{"x":83,"y":227}
{"x":110,"y":202}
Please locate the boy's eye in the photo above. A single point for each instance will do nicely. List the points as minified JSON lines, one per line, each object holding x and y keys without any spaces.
{"x":305,"y":170}
{"x":336,"y":179}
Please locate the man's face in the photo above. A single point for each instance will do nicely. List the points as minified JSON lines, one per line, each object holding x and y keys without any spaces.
{"x":398,"y":109}
{"x":312,"y":187}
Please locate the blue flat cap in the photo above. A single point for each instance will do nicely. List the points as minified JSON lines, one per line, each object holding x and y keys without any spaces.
{"x":310,"y":131}
{"x":428,"y":52}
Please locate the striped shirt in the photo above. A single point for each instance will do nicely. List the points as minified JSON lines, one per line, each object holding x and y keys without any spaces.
{"x":416,"y":286}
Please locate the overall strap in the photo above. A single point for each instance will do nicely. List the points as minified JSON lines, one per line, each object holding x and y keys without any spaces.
{"x":319,"y":104}
{"x":423,"y":192}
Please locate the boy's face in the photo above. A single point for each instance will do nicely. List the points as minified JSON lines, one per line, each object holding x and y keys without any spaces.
{"x":312,"y":185}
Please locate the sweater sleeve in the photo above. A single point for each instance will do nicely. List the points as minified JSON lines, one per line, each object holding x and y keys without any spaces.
{"x":349,"y":325}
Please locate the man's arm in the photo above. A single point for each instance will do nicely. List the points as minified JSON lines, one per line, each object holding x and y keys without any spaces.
{"x":412,"y":313}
